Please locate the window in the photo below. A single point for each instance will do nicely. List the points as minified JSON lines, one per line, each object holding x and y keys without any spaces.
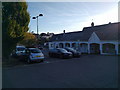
{"x":51,"y":45}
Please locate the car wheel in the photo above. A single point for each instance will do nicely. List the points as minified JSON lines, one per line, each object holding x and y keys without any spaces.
{"x":41,"y":60}
{"x":28,"y":61}
{"x":61,"y":56}
{"x":50,"y":55}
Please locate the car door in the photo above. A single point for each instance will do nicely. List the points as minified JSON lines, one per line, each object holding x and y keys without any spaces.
{"x":27,"y":53}
{"x":58,"y":53}
{"x":54,"y":53}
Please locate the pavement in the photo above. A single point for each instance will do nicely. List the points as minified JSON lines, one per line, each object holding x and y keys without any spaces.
{"x":88,"y":71}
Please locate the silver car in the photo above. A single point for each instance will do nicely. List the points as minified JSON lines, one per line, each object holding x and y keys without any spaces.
{"x":34,"y":54}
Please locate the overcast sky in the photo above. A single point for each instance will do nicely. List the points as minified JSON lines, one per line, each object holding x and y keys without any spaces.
{"x":71,"y":16}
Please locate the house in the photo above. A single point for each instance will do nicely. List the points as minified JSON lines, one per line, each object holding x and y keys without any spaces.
{"x":46,"y":36}
{"x":36,"y":35}
{"x":101,"y":39}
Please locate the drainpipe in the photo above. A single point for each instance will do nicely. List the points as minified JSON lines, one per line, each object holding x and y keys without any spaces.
{"x":101,"y":48}
{"x":64,"y":45}
{"x":116,"y":48}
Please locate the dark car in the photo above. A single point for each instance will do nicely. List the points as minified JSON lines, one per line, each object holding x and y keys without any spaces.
{"x":73,"y":51}
{"x":40,"y":47}
{"x":60,"y":53}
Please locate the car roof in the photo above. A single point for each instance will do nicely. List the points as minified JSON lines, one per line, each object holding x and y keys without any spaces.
{"x":32,"y":48}
{"x":69,"y":48}
{"x":20,"y":46}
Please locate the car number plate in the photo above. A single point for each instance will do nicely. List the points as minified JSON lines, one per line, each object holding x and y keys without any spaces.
{"x":37,"y":56}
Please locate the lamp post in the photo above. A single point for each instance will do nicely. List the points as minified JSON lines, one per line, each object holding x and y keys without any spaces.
{"x":37,"y":22}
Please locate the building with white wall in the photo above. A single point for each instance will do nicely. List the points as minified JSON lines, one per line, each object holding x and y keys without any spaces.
{"x":102,"y":39}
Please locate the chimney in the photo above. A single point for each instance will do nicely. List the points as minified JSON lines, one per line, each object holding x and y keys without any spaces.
{"x":64,"y":31}
{"x":92,"y":24}
{"x":109,"y":23}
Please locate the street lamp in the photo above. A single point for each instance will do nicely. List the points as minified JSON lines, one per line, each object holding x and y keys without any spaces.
{"x":37,"y":22}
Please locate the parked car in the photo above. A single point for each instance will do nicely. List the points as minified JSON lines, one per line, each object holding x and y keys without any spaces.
{"x":18,"y":51}
{"x":40,"y":47}
{"x":73,"y":51}
{"x":33,"y":54}
{"x":60,"y":53}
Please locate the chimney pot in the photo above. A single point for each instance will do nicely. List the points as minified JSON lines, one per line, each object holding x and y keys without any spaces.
{"x":64,"y":31}
{"x":92,"y":24}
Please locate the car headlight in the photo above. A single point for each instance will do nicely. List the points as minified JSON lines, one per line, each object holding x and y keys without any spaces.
{"x":42,"y":55}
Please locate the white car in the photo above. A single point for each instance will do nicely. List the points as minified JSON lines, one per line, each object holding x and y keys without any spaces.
{"x":33,"y":54}
{"x":18,"y":51}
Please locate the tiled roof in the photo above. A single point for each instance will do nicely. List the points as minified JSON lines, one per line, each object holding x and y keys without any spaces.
{"x":71,"y":36}
{"x":110,"y":32}
{"x":104,"y":32}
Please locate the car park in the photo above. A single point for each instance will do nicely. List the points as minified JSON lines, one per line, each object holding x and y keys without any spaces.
{"x":60,"y":53}
{"x":33,"y":54}
{"x":73,"y":51}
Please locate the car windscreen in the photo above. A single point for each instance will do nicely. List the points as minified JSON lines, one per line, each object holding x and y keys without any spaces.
{"x":20,"y":49}
{"x":71,"y":49}
{"x":63,"y":50}
{"x":35,"y":51}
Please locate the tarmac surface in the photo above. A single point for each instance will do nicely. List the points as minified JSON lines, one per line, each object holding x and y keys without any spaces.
{"x":88,"y":71}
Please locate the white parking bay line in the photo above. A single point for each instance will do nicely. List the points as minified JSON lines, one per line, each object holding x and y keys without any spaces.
{"x":46,"y":62}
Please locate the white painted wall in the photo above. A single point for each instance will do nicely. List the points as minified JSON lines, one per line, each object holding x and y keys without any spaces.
{"x":94,"y":38}
{"x":86,"y":48}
